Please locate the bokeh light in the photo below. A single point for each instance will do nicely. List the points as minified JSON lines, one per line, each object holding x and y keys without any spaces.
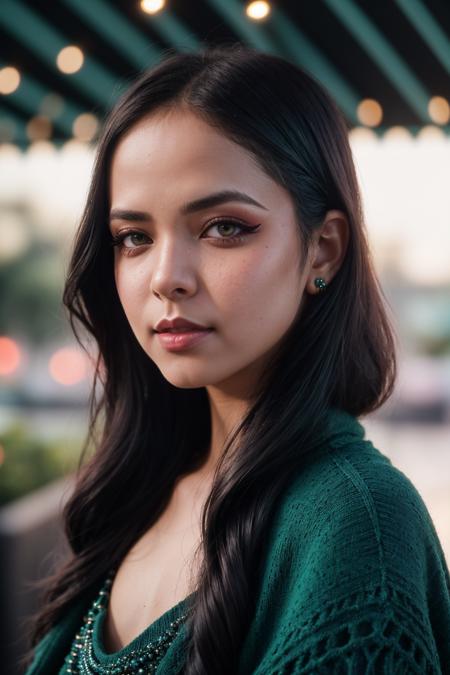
{"x":85,"y":127}
{"x":9,"y":80}
{"x":432,"y":133}
{"x":70,"y":59}
{"x":152,"y":6}
{"x":257,"y":10}
{"x":370,"y":112}
{"x":397,"y":133}
{"x":363,"y":134}
{"x":9,"y":151}
{"x":10,"y":356}
{"x":439,"y":110}
{"x":39,"y":128}
{"x":68,"y":366}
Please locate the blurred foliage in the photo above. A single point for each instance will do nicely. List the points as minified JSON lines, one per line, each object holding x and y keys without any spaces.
{"x":31,"y":294}
{"x":27,"y":462}
{"x":435,"y":346}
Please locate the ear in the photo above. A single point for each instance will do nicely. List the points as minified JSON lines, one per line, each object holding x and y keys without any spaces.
{"x":328,"y":250}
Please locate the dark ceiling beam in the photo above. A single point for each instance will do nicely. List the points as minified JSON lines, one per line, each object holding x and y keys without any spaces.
{"x":233,"y":13}
{"x":383,"y":54}
{"x":294,"y":45}
{"x":29,"y":97}
{"x":46,"y":42}
{"x":302,"y":50}
{"x":428,"y":28}
{"x":172,"y":30}
{"x":115,"y":28}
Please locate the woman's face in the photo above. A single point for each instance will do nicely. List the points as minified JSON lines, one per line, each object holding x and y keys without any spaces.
{"x":197,"y":262}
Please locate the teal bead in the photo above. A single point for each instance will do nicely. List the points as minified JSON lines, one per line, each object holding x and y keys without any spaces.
{"x":320,"y":283}
{"x":82,"y":659}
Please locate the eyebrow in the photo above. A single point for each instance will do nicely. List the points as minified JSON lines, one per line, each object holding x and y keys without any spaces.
{"x":197,"y":205}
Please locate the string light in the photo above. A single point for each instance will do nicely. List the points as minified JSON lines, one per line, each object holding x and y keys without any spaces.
{"x":39,"y":128}
{"x":152,"y":6}
{"x":257,"y":10}
{"x":397,"y":133}
{"x":439,"y":110}
{"x":431,"y":133}
{"x":70,"y":59}
{"x":9,"y":80}
{"x":85,"y":127}
{"x":369,"y":112}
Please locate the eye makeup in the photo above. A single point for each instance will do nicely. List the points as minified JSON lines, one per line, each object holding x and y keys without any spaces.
{"x":118,"y":240}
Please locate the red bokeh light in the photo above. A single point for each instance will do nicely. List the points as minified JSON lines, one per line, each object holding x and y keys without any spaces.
{"x":68,"y":366}
{"x":10,"y":355}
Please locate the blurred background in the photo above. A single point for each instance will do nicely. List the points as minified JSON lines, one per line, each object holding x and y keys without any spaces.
{"x":62,"y":65}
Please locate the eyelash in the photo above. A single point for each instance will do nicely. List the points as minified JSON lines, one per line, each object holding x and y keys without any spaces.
{"x":118,"y":239}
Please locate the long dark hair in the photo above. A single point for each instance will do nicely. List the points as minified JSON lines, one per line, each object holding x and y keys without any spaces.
{"x":340,"y":352}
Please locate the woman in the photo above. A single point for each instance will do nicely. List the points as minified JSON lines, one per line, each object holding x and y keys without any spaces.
{"x":234,"y":519}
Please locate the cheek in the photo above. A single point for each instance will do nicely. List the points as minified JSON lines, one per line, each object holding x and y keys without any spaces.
{"x":261,"y":294}
{"x":131,"y":286}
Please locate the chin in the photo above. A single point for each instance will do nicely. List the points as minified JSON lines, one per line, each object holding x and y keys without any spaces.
{"x":184,"y":378}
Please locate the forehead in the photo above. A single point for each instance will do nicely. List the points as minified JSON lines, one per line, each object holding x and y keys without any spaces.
{"x":174,"y":152}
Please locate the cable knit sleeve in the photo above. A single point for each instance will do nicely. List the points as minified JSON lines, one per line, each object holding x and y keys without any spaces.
{"x":355,"y":581}
{"x":358,"y":635}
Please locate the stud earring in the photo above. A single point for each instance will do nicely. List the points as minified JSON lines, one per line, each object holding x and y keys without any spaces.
{"x":320,"y":284}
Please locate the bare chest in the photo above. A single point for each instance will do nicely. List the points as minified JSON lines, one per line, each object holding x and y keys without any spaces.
{"x":157,"y":573}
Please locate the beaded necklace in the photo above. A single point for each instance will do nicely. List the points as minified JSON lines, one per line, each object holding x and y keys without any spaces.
{"x":142,"y":661}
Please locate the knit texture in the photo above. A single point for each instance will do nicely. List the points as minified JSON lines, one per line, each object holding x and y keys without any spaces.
{"x":353,"y":580}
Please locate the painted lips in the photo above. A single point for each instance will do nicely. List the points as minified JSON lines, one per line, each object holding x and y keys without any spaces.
{"x":175,"y":342}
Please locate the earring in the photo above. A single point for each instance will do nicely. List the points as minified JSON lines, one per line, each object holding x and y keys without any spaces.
{"x":320,"y":284}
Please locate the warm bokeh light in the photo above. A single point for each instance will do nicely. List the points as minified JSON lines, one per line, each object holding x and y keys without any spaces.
{"x":70,"y":59}
{"x":39,"y":128}
{"x":67,"y":366}
{"x":397,"y":133}
{"x":362,"y":134}
{"x":439,"y":110}
{"x":85,"y":127}
{"x":257,"y":10}
{"x":72,"y":148}
{"x":152,"y":6}
{"x":9,"y":80}
{"x":9,"y":355}
{"x":9,"y":151}
{"x":369,"y":112}
{"x":429,"y":132}
{"x":52,"y":105}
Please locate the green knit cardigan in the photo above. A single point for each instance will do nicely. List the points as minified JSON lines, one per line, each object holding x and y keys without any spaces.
{"x":353,"y":581}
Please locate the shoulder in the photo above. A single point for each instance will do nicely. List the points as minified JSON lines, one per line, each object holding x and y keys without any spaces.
{"x":358,"y":517}
{"x":355,"y":570}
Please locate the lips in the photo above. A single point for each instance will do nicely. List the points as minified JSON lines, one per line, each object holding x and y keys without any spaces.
{"x":179,"y":325}
{"x":179,"y":342}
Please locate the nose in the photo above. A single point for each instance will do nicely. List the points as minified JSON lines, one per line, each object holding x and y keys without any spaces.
{"x":173,"y":273}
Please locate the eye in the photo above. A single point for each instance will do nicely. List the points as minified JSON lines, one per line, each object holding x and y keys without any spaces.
{"x":229,"y":224}
{"x":129,"y":242}
{"x":136,"y":238}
